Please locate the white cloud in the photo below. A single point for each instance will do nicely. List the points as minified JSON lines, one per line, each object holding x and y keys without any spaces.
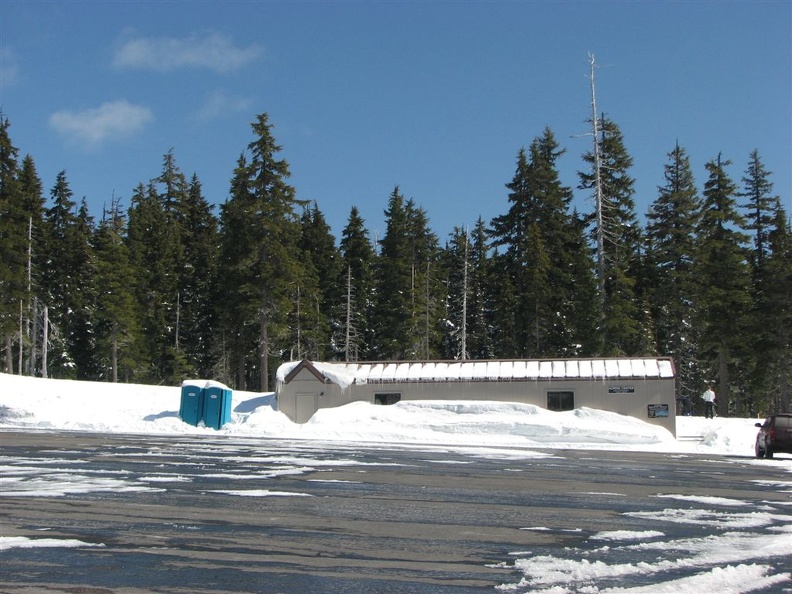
{"x":219,"y":104}
{"x":9,"y":67}
{"x":213,"y":51}
{"x":108,"y":121}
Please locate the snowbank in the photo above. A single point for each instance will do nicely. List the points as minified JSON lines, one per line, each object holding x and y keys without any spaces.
{"x":39,"y":404}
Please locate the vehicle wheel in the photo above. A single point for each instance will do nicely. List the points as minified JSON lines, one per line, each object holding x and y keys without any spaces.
{"x":760,"y":453}
{"x":768,"y":453}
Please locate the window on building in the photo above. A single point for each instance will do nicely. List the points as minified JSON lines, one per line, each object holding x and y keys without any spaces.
{"x":387,"y":398}
{"x":558,"y":401}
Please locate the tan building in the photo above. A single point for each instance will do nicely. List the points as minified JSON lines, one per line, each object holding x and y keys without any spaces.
{"x":640,"y":388}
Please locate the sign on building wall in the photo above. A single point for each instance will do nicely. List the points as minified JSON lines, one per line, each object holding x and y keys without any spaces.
{"x":658,"y":410}
{"x":621,"y":389}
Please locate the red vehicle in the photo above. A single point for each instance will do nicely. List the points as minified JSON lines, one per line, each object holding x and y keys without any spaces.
{"x":775,"y":436}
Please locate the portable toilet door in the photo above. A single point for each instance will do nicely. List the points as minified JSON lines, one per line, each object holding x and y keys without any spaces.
{"x":191,"y":407}
{"x":217,"y":405}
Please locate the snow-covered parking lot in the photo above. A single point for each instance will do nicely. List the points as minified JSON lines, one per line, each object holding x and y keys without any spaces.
{"x":715,"y":531}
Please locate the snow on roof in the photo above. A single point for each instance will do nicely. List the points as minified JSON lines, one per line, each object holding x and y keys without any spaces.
{"x":665,"y":368}
{"x":345,"y":374}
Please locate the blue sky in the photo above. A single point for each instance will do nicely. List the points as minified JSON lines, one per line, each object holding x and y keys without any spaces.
{"x":436,"y":97}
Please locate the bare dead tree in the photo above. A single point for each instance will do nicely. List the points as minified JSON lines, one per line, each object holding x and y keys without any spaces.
{"x":464,"y":353}
{"x":350,"y":331}
{"x":598,"y":188}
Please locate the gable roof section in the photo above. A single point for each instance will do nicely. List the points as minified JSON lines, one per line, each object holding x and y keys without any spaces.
{"x":304,"y":364}
{"x":345,"y":374}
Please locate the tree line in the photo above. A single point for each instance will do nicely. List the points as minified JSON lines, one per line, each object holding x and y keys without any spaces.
{"x":166,"y":289}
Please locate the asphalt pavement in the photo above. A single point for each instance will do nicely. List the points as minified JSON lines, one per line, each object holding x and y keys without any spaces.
{"x":215,"y":515}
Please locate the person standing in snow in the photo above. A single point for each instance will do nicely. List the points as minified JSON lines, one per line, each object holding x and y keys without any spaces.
{"x":709,"y":400}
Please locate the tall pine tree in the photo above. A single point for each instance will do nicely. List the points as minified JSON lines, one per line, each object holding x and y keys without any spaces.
{"x":260,"y":229}
{"x":671,"y":251}
{"x":426,"y":285}
{"x":357,"y":280}
{"x":778,"y":396}
{"x":31,"y":193}
{"x":197,"y":281}
{"x":523,"y":322}
{"x":723,"y":282}
{"x":758,"y":191}
{"x":14,"y":226}
{"x":82,"y":337}
{"x":67,"y":247}
{"x":481,"y":279}
{"x":456,"y":263}
{"x":548,"y":286}
{"x":118,"y":342}
{"x":394,"y":279}
{"x":154,"y":253}
{"x":760,"y":214}
{"x":621,"y":325}
{"x":320,"y":293}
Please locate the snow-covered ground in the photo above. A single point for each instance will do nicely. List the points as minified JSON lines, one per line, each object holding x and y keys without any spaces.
{"x":32,"y":403}
{"x":734,"y":558}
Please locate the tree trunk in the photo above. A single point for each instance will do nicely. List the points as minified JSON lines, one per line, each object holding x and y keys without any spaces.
{"x":20,"y":364}
{"x":9,"y":361}
{"x":783,"y":384}
{"x":263,"y":350}
{"x":241,"y":378}
{"x":114,"y":359}
{"x":723,"y":381}
{"x":34,"y":339}
{"x":45,"y":344}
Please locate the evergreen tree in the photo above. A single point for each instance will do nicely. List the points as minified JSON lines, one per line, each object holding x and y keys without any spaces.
{"x":517,"y":316}
{"x":482,"y":278}
{"x":357,"y":279}
{"x":394,"y":278}
{"x":758,"y":190}
{"x":31,"y":193}
{"x":196,"y":284}
{"x":175,"y":189}
{"x":174,"y":195}
{"x":65,"y":249}
{"x":426,"y":285}
{"x":620,"y":326}
{"x":118,"y":343}
{"x":14,"y":226}
{"x":469,"y":317}
{"x":260,"y":229}
{"x":723,"y":277}
{"x":579,"y":311}
{"x":671,"y":250}
{"x":544,"y":243}
{"x":503,"y":316}
{"x":570,"y":273}
{"x":778,"y":363}
{"x":82,"y":337}
{"x":233,"y":295}
{"x":537,"y":288}
{"x":185,"y":229}
{"x":456,"y":263}
{"x":155,"y":254}
{"x":320,"y":293}
{"x":760,"y":213}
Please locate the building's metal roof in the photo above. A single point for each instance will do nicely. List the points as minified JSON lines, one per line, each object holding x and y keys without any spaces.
{"x":478,"y":370}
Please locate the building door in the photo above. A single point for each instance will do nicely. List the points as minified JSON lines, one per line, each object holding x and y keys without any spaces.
{"x":305,"y":405}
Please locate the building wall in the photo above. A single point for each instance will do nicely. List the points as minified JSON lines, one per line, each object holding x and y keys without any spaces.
{"x":651,"y":400}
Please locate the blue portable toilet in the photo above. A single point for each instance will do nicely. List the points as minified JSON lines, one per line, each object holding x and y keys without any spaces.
{"x":216,"y":404}
{"x":192,"y":397}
